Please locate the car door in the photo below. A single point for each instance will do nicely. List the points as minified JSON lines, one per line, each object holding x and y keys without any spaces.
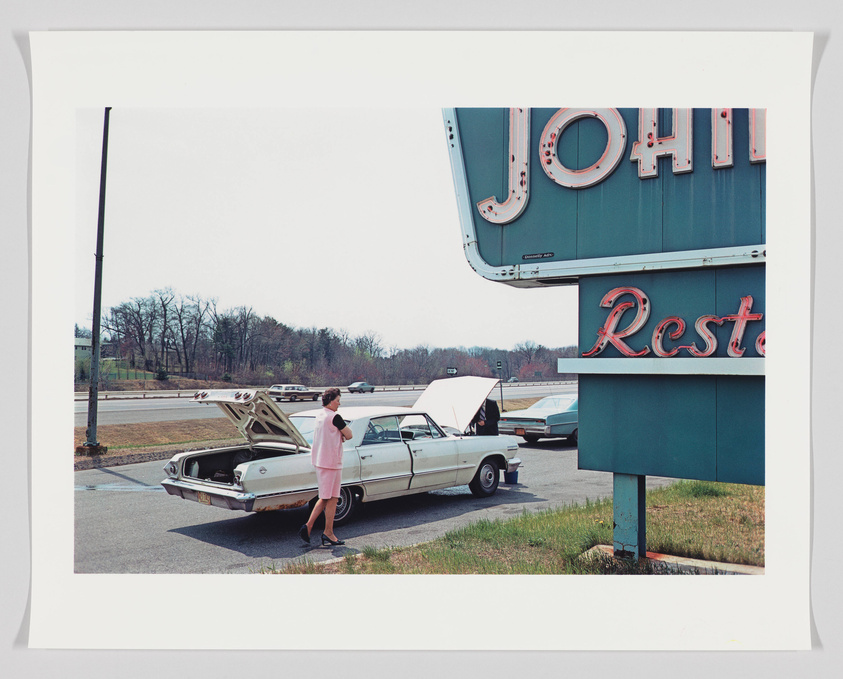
{"x":433,"y":454}
{"x":385,"y":465}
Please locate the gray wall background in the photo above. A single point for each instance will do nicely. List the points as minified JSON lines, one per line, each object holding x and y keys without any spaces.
{"x":18,"y":17}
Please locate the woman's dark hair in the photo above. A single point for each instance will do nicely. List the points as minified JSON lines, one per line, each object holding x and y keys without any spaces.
{"x":329,"y":395}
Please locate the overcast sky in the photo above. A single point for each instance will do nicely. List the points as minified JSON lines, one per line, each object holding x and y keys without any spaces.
{"x":343,"y":218}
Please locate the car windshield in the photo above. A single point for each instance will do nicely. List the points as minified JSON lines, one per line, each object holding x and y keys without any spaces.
{"x":558,"y":403}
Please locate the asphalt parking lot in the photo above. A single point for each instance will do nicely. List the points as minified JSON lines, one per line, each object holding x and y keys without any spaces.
{"x":126,"y":523}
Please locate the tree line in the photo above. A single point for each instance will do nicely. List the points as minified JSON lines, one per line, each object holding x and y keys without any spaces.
{"x":172,"y":334}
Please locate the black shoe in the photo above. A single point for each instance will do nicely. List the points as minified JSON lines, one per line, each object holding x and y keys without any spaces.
{"x":327,"y":541}
{"x":303,"y":534}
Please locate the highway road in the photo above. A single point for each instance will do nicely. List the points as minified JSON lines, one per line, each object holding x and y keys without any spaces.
{"x":126,"y":523}
{"x":161,"y":409}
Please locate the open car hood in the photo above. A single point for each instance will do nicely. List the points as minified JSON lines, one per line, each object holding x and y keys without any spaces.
{"x":255,"y":415}
{"x":454,"y":401}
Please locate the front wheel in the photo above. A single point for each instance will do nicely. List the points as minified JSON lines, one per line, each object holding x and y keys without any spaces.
{"x":485,"y":481}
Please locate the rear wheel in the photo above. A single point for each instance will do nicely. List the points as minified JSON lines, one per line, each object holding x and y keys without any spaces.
{"x":292,"y":398}
{"x":346,"y":506}
{"x":574,"y":437}
{"x":485,"y":481}
{"x":531,"y":438}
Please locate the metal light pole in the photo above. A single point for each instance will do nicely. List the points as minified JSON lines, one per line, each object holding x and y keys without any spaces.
{"x":91,"y":443}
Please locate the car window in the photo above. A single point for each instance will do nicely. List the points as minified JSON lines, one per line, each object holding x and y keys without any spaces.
{"x":305,"y":426}
{"x":381,"y":430}
{"x":419,"y":427}
{"x":560,"y":404}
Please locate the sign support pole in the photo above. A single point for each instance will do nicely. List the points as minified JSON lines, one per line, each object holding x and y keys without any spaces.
{"x":629,"y":533}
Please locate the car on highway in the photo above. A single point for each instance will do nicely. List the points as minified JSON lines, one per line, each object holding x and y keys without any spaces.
{"x":550,"y":417}
{"x":360,"y":388}
{"x":293,"y":392}
{"x":394,"y":451}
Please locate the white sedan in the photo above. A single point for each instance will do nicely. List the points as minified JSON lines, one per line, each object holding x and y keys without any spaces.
{"x":393,"y":451}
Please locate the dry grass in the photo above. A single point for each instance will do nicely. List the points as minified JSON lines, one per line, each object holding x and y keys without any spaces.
{"x":122,"y":437}
{"x":511,"y":404}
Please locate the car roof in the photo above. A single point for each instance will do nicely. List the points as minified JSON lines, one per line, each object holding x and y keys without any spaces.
{"x":356,"y":412}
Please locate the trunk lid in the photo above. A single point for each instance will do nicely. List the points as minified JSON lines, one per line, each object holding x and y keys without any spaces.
{"x":255,"y":415}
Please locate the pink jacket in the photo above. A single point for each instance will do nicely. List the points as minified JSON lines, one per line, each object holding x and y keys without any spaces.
{"x":327,"y":442}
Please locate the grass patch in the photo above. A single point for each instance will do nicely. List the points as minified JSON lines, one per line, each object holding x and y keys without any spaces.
{"x":712,"y":521}
{"x":715,"y":522}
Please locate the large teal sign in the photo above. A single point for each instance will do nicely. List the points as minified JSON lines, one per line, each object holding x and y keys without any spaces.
{"x":641,"y":418}
{"x":659,"y":216}
{"x":549,"y":195}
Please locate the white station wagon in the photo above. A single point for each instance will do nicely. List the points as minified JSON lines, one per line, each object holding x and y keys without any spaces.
{"x":394,"y":451}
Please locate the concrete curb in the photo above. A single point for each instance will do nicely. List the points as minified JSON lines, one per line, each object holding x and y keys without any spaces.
{"x":683,"y":564}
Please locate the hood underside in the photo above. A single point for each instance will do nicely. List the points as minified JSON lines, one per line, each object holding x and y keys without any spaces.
{"x":454,"y":401}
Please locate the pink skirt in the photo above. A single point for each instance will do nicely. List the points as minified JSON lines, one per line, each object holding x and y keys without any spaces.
{"x":329,"y":482}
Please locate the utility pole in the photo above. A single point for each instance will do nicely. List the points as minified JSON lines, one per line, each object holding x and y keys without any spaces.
{"x":91,"y":445}
{"x":500,"y":381}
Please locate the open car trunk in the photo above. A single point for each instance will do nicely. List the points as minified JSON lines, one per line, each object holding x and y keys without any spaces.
{"x":218,"y":465}
{"x":265,"y":427}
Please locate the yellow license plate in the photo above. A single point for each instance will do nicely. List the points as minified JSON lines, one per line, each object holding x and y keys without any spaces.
{"x":204,"y":498}
{"x":519,"y":431}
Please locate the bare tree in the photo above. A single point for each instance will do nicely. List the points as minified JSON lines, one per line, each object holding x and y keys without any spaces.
{"x":527,"y":351}
{"x":188,"y":321}
{"x":164,"y":299}
{"x":369,"y":343}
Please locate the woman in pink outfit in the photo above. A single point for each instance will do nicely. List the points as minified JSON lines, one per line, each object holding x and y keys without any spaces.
{"x":326,"y":455}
